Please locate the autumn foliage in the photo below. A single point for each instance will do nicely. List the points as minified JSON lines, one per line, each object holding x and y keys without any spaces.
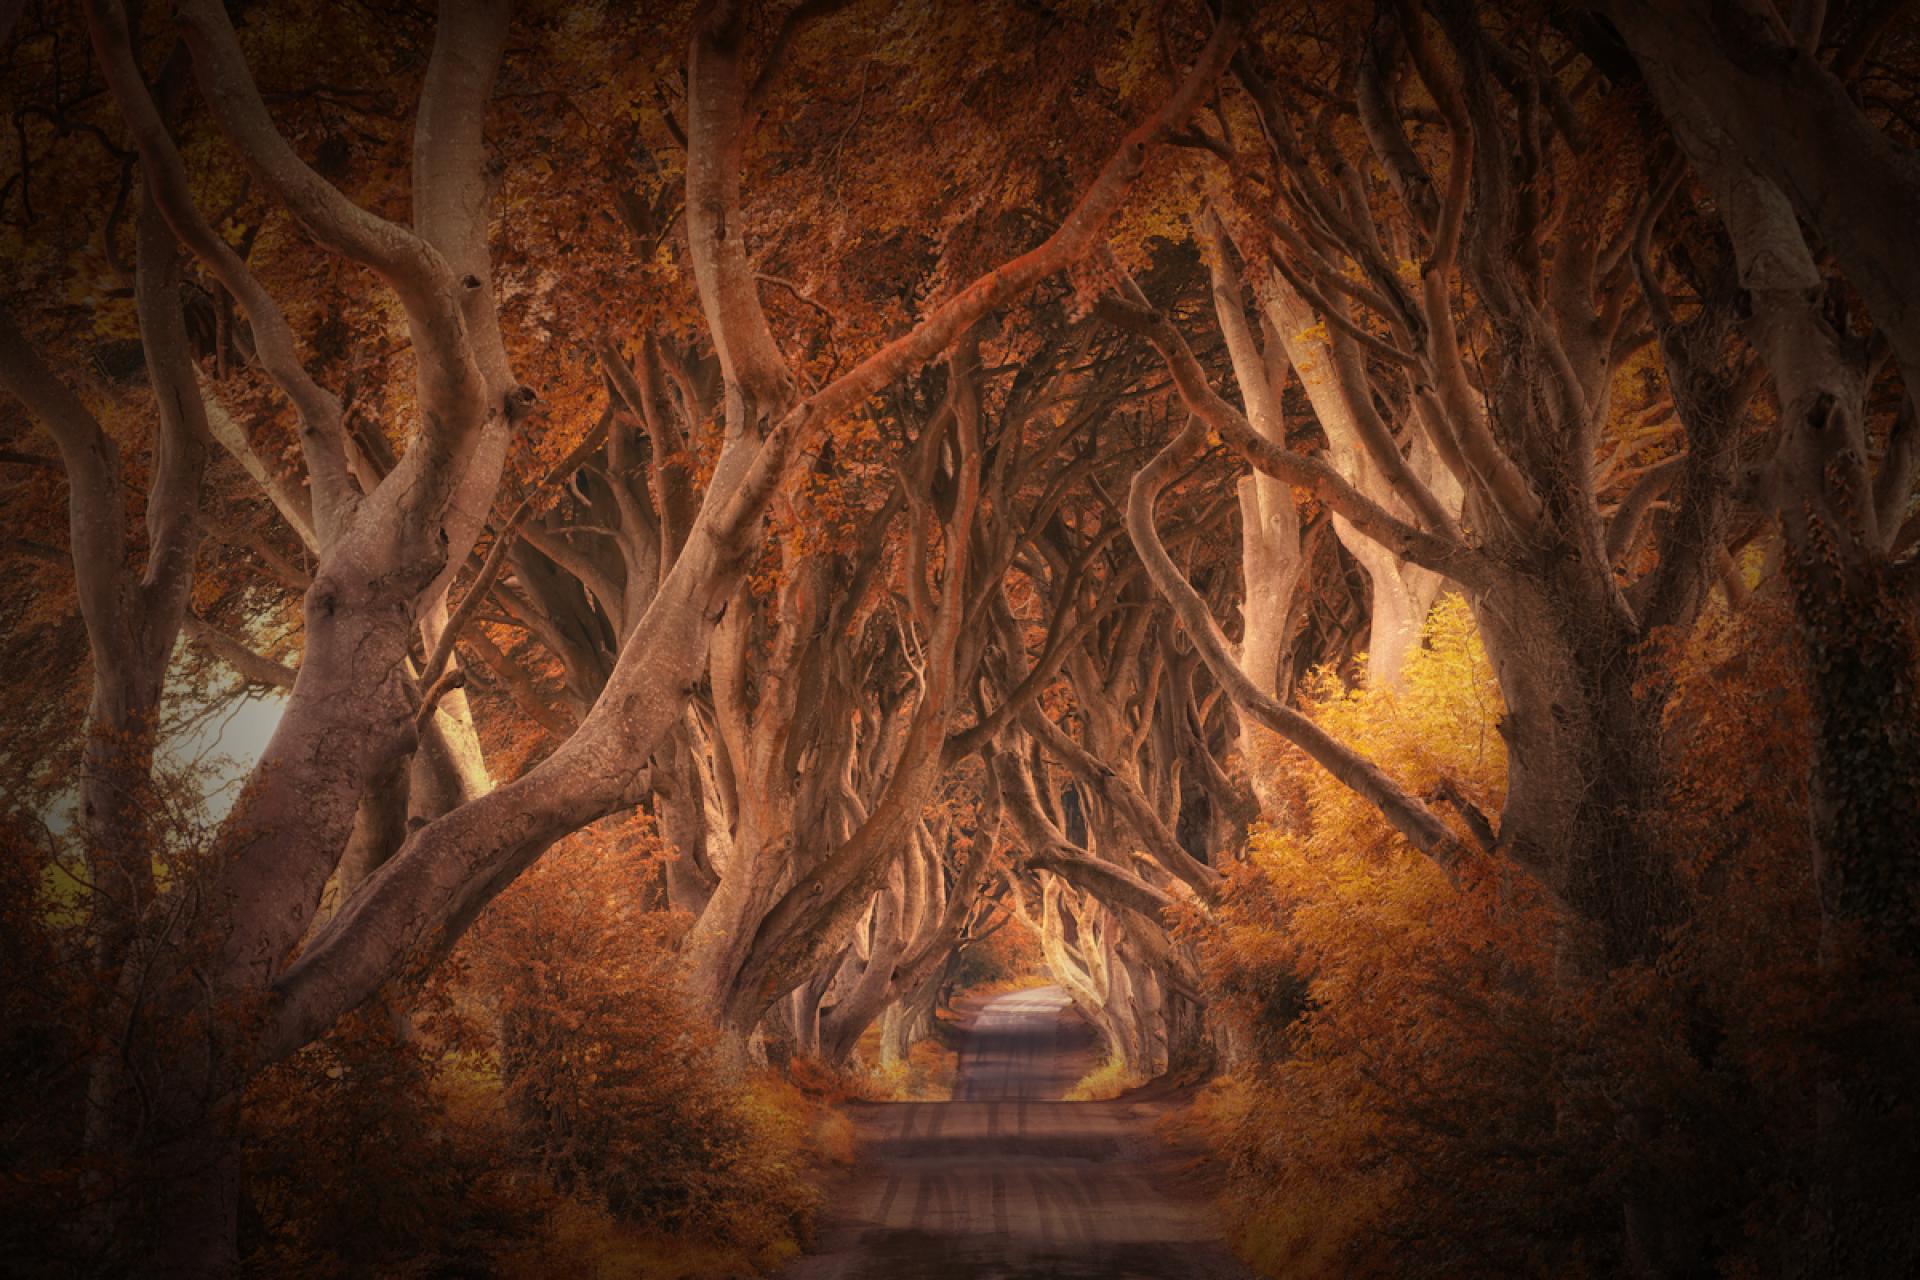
{"x":546,"y":1099}
{"x":1421,"y":1097}
{"x":1373,"y":543}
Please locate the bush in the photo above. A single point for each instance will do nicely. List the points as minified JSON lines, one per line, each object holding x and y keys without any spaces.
{"x":353,"y":1163}
{"x":623,"y":1090}
{"x":1423,"y":1096}
{"x":1007,"y":959}
{"x":547,"y":1106}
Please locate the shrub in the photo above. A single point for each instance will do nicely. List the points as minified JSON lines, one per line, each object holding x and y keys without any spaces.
{"x":624,"y":1092}
{"x":353,"y":1164}
{"x":1424,"y":1096}
{"x":547,"y":1105}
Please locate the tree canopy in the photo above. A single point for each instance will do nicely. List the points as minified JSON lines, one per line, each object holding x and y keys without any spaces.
{"x":1381,"y":538}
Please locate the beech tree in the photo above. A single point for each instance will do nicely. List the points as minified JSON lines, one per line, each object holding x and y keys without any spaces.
{"x":951,"y":474}
{"x":1846,"y":522}
{"x":1524,"y":262}
{"x":211,"y":1001}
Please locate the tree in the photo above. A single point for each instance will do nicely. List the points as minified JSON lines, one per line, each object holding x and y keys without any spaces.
{"x":812,"y":429}
{"x":390,"y":541}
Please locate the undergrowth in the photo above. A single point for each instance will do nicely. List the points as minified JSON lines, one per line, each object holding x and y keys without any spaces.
{"x":546,"y":1105}
{"x":927,"y":1075}
{"x":1108,"y":1080}
{"x":1420,"y":1097}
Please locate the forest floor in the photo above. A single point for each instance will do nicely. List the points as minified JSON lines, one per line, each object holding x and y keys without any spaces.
{"x":1007,"y":1181}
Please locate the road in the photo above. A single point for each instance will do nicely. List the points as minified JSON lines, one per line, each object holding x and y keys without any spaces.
{"x":1007,"y":1182}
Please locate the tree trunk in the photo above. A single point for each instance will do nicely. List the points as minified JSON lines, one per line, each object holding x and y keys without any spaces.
{"x":896,"y":1035}
{"x":863,"y":999}
{"x":1584,"y":772}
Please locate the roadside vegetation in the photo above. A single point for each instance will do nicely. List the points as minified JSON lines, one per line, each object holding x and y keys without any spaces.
{"x":1419,"y":1098}
{"x":1375,"y":544}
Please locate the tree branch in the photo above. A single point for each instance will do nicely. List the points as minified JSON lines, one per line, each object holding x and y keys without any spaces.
{"x":1403,"y":811}
{"x":1430,"y":550}
{"x":253,"y":668}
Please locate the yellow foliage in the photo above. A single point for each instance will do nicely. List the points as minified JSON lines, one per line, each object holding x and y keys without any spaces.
{"x":926,"y":1076}
{"x":1108,"y":1080}
{"x":1438,"y":723}
{"x":1424,"y":1093}
{"x":1340,"y":947}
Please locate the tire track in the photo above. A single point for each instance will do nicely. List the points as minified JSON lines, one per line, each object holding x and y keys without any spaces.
{"x":1009,"y":1182}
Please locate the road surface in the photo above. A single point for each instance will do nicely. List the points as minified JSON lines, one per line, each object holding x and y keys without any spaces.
{"x":1007,"y":1182}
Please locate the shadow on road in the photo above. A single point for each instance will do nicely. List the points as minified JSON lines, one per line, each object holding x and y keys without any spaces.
{"x":1007,"y":1181}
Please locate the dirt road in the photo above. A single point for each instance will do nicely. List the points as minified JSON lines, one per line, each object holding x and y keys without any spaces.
{"x":1007,"y":1181}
